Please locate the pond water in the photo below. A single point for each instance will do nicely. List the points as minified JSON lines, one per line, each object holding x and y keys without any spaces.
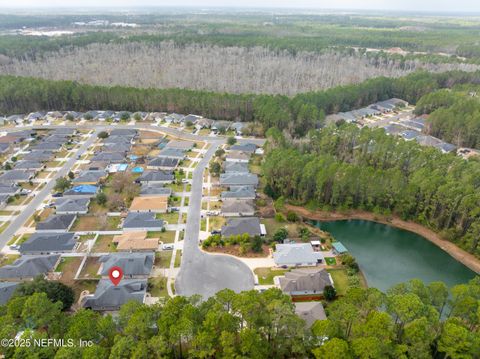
{"x":388,"y":255}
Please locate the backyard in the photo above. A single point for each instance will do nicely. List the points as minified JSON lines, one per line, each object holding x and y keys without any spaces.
{"x":266,"y":275}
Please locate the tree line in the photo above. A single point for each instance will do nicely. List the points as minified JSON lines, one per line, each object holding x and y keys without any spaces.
{"x":351,"y":168}
{"x":411,"y":320}
{"x":296,"y":114}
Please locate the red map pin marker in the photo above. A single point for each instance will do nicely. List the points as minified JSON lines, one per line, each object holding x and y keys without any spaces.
{"x":115,"y":274}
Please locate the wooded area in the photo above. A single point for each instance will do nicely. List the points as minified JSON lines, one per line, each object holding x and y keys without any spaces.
{"x":406,"y":322}
{"x":212,"y":68}
{"x":296,"y":114}
{"x":348,"y":167}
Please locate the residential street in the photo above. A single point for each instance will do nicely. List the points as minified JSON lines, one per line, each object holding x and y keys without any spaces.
{"x":30,"y":209}
{"x":202,"y":273}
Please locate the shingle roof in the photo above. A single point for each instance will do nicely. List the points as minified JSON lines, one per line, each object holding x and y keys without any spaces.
{"x":142,"y":220}
{"x":295,"y":253}
{"x":123,"y":132}
{"x":110,"y":297}
{"x":89,"y":177}
{"x":48,"y":242}
{"x":152,"y":190}
{"x":305,"y":279}
{"x":244,"y":147}
{"x":172,"y":153}
{"x":29,"y":266}
{"x":56,"y":222}
{"x":152,"y":176}
{"x":240,"y":167}
{"x":164,"y":162}
{"x":38,"y":156}
{"x":109,"y":157}
{"x":16,"y":176}
{"x":237,"y":226}
{"x":9,"y":188}
{"x":28,"y":165}
{"x":240,"y":206}
{"x":181,"y":145}
{"x":310,"y":312}
{"x":131,"y":263}
{"x":239,"y":192}
{"x":238,"y":179}
{"x":72,"y":204}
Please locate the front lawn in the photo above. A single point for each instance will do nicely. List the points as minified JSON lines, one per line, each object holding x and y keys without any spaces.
{"x":165,"y":237}
{"x":266,"y":275}
{"x":163,"y":259}
{"x":171,"y":218}
{"x":96,"y":223}
{"x":157,"y":287}
{"x":216,"y":223}
{"x":178,"y":258}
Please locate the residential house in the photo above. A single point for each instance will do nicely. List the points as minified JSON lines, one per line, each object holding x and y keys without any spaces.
{"x":6,"y":291}
{"x":33,"y":116}
{"x":219,"y":125}
{"x":236,"y":179}
{"x":10,"y":189}
{"x":155,"y":190}
{"x":134,"y":265}
{"x":111,"y":157}
{"x":156,"y":177}
{"x":84,"y":190}
{"x":47,"y":146}
{"x":72,"y":205}
{"x":170,"y":152}
{"x":29,"y":165}
{"x":89,"y":177}
{"x":238,"y":127}
{"x":163,"y":163}
{"x":154,"y":204}
{"x":203,"y":123}
{"x":238,"y":208}
{"x":16,"y":176}
{"x":56,"y":223}
{"x":240,"y":192}
{"x":135,"y":241}
{"x":310,"y":312}
{"x":174,"y":118}
{"x":49,"y":243}
{"x":142,"y":221}
{"x":239,"y":226}
{"x":239,"y":167}
{"x":246,"y":147}
{"x":123,"y":132}
{"x":409,"y":135}
{"x":305,"y":281}
{"x":446,"y":147}
{"x":110,"y":297}
{"x":28,"y":267}
{"x":4,"y":200}
{"x":237,"y":156}
{"x":40,"y":156}
{"x":338,"y":248}
{"x":296,"y":254}
{"x":180,"y":145}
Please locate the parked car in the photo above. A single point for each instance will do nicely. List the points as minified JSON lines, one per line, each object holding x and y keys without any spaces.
{"x":58,"y":194}
{"x":14,"y":246}
{"x":215,"y":231}
{"x":168,"y":247}
{"x":185,"y":180}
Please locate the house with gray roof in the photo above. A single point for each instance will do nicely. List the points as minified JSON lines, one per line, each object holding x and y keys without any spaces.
{"x":67,"y":131}
{"x":29,"y":165}
{"x":155,"y":190}
{"x":310,"y":312}
{"x":134,"y":265}
{"x":180,"y":145}
{"x":71,"y":206}
{"x":247,"y":147}
{"x":238,"y":208}
{"x":109,"y":297}
{"x":163,"y":163}
{"x":40,"y":156}
{"x":155,"y":177}
{"x":305,"y":281}
{"x":409,"y":135}
{"x":16,"y":176}
{"x":446,"y":147}
{"x":123,"y":132}
{"x":28,"y":267}
{"x":174,"y":118}
{"x":171,"y":152}
{"x":5,"y":147}
{"x":47,"y":243}
{"x":6,"y":291}
{"x":56,"y":223}
{"x":89,"y":177}
{"x":239,"y":167}
{"x":238,"y":127}
{"x":118,"y":140}
{"x":117,"y":147}
{"x":239,"y":226}
{"x":220,"y":125}
{"x":236,"y":179}
{"x":237,"y":156}
{"x":4,"y":200}
{"x":240,"y":192}
{"x":48,"y":146}
{"x":296,"y":254}
{"x":111,"y":157}
{"x":142,"y":221}
{"x":10,"y":189}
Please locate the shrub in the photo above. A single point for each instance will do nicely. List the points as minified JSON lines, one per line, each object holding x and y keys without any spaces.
{"x":279,"y":218}
{"x":292,"y":216}
{"x":329,"y":293}
{"x":103,"y":134}
{"x":231,"y":141}
{"x":280,"y":235}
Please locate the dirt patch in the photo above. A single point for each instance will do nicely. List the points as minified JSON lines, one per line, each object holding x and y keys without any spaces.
{"x":235,"y":251}
{"x":459,"y":254}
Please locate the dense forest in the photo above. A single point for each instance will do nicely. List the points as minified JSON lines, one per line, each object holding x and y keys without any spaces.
{"x":347,"y":167}
{"x":296,"y":114}
{"x":222,"y":69}
{"x":454,"y":115}
{"x":411,"y":320}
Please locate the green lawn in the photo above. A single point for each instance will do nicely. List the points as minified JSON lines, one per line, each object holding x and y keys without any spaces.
{"x":171,"y":218}
{"x":158,"y":287}
{"x":178,"y":258}
{"x":340,"y":280}
{"x":163,"y":259}
{"x":265,"y":275}
{"x":104,"y":244}
{"x":3,"y":226}
{"x":165,"y":237}
{"x":64,"y":262}
{"x":331,"y":261}
{"x":8,"y":259}
{"x":203,"y":225}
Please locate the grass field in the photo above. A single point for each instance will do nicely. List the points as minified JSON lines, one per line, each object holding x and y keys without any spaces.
{"x":266,"y":275}
{"x":171,"y":218}
{"x":104,"y":244}
{"x":165,"y":237}
{"x":158,"y":287}
{"x":178,"y":258}
{"x":340,"y":280}
{"x":163,"y":258}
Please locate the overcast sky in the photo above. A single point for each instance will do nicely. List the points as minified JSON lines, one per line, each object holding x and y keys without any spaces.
{"x":413,"y":5}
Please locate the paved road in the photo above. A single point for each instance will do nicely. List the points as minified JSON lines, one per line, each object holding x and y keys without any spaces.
{"x":30,"y":209}
{"x":202,"y":273}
